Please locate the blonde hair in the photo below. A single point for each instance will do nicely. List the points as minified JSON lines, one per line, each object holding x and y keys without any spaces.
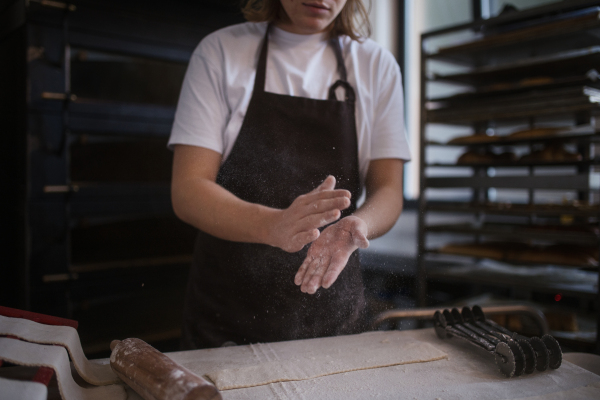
{"x":353,"y":20}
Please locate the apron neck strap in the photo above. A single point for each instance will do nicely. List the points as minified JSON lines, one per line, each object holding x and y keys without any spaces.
{"x":335,"y":43}
{"x":343,"y":81}
{"x":261,"y":68}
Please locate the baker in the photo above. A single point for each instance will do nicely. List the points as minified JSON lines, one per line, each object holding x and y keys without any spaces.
{"x":281,"y":123}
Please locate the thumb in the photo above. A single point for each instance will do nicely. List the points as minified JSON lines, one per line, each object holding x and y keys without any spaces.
{"x":360,"y":240}
{"x":327,"y":184}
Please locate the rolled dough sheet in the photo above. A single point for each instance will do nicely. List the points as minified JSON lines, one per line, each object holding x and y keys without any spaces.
{"x":469,"y":373}
{"x":11,"y":389}
{"x":326,"y":356}
{"x":55,"y":357}
{"x":65,"y":336}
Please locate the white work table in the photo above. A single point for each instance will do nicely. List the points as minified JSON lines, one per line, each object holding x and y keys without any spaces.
{"x":468,"y":373}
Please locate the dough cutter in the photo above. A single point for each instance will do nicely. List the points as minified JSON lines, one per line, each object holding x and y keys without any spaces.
{"x":514,"y":354}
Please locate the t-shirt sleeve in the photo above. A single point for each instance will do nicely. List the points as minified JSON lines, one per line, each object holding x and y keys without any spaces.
{"x":202,"y":111}
{"x":388,"y":138}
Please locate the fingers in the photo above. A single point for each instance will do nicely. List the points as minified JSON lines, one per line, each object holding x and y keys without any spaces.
{"x":319,"y":220}
{"x":327,"y":184}
{"x":337,"y":265}
{"x":307,"y":229}
{"x":299,"y":278}
{"x":325,"y":188}
{"x":328,"y":256}
{"x":321,"y":212}
{"x":313,"y":197}
{"x":312,"y":213}
{"x":320,"y":271}
{"x":314,"y":274}
{"x":323,"y":205}
{"x":301,"y":239}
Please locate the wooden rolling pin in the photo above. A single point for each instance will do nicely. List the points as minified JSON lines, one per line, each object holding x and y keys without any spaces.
{"x":155,"y":376}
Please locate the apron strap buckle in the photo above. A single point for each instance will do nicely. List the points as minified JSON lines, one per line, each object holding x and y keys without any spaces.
{"x":350,"y":96}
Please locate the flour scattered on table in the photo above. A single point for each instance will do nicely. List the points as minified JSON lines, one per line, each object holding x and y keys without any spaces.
{"x":328,"y":356}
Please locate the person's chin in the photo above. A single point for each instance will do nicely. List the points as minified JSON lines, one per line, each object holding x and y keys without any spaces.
{"x":313,"y":26}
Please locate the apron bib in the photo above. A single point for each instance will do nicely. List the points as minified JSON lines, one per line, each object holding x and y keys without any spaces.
{"x":245,"y":292}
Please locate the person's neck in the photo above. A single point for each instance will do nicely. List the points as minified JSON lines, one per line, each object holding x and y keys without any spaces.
{"x":291,"y":28}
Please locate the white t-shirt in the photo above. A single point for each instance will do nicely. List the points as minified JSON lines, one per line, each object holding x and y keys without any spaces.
{"x":219,"y":82}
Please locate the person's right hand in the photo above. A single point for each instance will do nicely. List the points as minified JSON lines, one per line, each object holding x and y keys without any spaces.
{"x":296,"y":226}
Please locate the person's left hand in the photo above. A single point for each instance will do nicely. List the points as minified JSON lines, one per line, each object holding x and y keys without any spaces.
{"x":328,"y":255}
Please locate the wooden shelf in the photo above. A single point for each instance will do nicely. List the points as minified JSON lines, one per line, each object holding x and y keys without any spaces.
{"x":184,"y":259}
{"x":469,"y":108}
{"x":94,"y":190}
{"x":558,"y":182}
{"x":469,"y":272}
{"x":580,"y":137}
{"x":560,"y":35}
{"x":558,"y":234}
{"x":549,"y":210}
{"x":563,"y":68}
{"x":515,"y":257}
{"x":518,"y":164}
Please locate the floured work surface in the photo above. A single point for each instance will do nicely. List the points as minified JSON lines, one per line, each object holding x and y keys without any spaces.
{"x":310,"y":359}
{"x":468,"y":373}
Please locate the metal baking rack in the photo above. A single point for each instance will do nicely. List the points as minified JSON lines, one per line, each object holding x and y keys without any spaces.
{"x":521,"y":69}
{"x":95,"y":231}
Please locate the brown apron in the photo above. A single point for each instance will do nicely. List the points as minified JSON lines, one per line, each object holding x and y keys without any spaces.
{"x":244,"y":292}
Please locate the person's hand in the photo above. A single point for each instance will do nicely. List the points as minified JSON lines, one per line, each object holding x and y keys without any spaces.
{"x":329,"y":254}
{"x":296,"y":226}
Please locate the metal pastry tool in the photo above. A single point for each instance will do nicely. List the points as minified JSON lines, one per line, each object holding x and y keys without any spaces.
{"x":446,"y":327}
{"x":515,"y":354}
{"x":525,"y":346}
{"x":495,"y":339}
{"x":547,"y":350}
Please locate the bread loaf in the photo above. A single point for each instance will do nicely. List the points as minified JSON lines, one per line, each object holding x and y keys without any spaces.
{"x":535,"y":133}
{"x":583,"y":256}
{"x":473,"y":139}
{"x":474,"y":157}
{"x":535,"y":81}
{"x":552,"y":153}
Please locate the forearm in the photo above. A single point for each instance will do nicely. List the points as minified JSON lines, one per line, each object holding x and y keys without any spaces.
{"x":384,"y":198}
{"x":380,"y":211}
{"x":209,"y":207}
